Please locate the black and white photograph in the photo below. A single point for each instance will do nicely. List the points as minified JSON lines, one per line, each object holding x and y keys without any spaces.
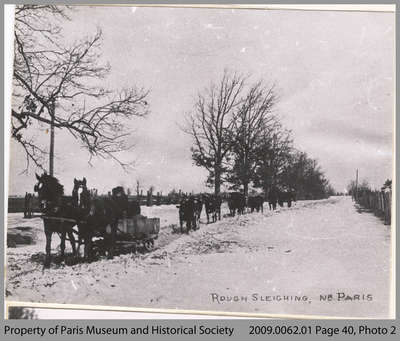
{"x":206,"y":160}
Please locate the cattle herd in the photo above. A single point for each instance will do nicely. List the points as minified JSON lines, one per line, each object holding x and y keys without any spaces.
{"x":190,"y":207}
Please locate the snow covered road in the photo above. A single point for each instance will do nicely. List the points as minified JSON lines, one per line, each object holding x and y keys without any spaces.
{"x":322,"y":258}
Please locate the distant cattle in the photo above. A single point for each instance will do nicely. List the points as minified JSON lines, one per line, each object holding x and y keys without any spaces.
{"x":256,"y":203}
{"x":286,"y":195}
{"x":273,"y":195}
{"x":212,"y":205}
{"x":198,"y":207}
{"x":280,"y":195}
{"x":236,"y":203}
{"x":187,"y":213}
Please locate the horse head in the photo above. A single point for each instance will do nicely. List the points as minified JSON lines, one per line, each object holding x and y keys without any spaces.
{"x":80,"y":194}
{"x":49,"y":190}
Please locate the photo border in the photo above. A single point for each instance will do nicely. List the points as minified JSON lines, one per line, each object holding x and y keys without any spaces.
{"x":231,"y":4}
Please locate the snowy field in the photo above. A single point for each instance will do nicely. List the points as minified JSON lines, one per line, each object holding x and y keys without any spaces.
{"x":285,"y":262}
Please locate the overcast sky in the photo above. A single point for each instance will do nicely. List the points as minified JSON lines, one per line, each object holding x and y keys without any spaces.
{"x":334,"y":73}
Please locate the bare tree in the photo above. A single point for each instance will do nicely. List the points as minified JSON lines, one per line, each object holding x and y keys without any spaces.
{"x":253,"y":121}
{"x":210,"y":125}
{"x":57,"y":84}
{"x":273,"y":157}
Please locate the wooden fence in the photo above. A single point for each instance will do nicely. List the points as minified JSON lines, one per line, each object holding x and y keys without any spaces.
{"x":17,"y":204}
{"x":380,"y":202}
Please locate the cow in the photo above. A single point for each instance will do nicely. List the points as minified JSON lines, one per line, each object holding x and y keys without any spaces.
{"x":287,"y":195}
{"x":256,"y":203}
{"x":236,"y":203}
{"x":273,"y":195}
{"x":198,"y":207}
{"x":187,"y":213}
{"x":212,"y":205}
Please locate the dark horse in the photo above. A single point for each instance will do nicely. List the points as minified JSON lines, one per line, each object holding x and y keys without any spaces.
{"x":81,"y":200}
{"x":98,"y":217}
{"x":59,"y":211}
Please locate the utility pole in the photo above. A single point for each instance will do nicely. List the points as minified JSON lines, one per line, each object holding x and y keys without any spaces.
{"x":51,"y":156}
{"x":356,"y":195}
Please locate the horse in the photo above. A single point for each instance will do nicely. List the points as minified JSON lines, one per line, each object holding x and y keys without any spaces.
{"x":81,"y":195}
{"x":98,"y":217}
{"x":54,"y":204}
{"x":81,"y":199}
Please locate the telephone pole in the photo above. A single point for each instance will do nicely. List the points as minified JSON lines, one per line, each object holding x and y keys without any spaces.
{"x":51,"y":156}
{"x":356,"y":195}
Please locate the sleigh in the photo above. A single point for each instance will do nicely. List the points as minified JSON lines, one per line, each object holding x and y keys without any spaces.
{"x":137,"y":231}
{"x":132,"y":233}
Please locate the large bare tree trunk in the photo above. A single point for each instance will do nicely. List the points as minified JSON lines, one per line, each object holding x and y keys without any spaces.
{"x":217,"y":181}
{"x":246,"y":189}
